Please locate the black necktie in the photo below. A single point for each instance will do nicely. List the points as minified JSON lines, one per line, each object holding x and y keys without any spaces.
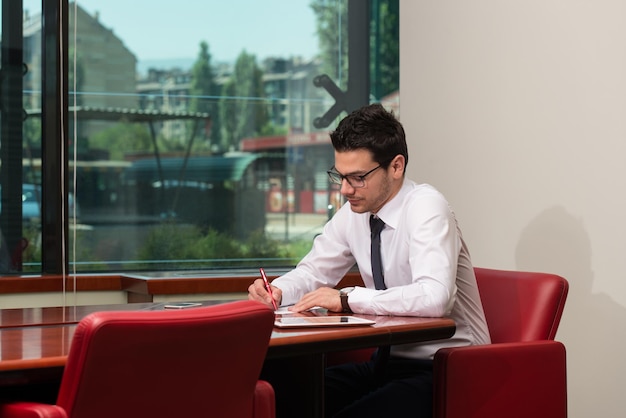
{"x":377,"y":225}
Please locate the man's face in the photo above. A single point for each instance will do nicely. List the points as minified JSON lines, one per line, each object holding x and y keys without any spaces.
{"x":380,"y":184}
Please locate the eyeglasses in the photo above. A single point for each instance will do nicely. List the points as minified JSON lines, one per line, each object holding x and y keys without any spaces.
{"x":353,"y":180}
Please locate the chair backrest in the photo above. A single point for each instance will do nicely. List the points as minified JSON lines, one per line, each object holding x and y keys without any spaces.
{"x":203,"y":361}
{"x":521,"y":306}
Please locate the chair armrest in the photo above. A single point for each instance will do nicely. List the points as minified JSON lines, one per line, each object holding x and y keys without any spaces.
{"x":525,"y":379}
{"x":31,"y":410}
{"x":264,"y":400}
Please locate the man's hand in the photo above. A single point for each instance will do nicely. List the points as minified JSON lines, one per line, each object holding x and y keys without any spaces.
{"x":257,"y":292}
{"x":324,"y":297}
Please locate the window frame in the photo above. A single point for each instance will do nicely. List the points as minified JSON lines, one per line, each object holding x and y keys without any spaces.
{"x":55,"y":116}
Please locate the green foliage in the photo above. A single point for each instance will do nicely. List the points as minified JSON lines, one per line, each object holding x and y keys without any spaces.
{"x":298,"y":249}
{"x":228,"y":114}
{"x":32,"y":255}
{"x":31,"y":143}
{"x":269,"y":129}
{"x":258,"y":245}
{"x":32,"y":132}
{"x":202,"y":81}
{"x":83,"y":253}
{"x":121,"y":139}
{"x":243,"y":111}
{"x":196,"y":249}
{"x":332,"y":31}
{"x":385,"y":48}
{"x":171,"y":246}
{"x":169,"y":242}
{"x":216,"y":245}
{"x":204,"y":92}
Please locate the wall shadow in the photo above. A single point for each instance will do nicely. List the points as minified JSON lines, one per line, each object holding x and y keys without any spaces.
{"x":592,"y":325}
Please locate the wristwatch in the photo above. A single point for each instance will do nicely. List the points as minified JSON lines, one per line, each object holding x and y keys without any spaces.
{"x":343,"y":294}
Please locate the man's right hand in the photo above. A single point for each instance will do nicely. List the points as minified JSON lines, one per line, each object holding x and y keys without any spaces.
{"x":257,"y":292}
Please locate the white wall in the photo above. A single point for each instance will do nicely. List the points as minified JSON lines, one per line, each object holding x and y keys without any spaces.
{"x":516,"y":110}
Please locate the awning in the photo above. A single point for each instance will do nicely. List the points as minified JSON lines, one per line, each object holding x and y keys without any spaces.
{"x":117,"y":114}
{"x":178,"y":167}
{"x":211,"y":169}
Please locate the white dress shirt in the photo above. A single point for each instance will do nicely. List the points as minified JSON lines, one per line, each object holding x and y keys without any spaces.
{"x":426,"y":264}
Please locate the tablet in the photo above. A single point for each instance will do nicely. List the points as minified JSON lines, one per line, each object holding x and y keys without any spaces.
{"x":320,"y":321}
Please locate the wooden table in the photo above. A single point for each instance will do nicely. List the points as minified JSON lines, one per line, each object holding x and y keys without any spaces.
{"x":34,"y":344}
{"x":296,"y":360}
{"x":26,"y":317}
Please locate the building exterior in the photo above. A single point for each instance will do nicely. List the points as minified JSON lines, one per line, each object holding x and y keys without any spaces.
{"x":166,"y":90}
{"x":103,"y":64}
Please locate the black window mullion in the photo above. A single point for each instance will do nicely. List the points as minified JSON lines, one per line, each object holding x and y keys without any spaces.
{"x":11,"y":128}
{"x":358,"y":54}
{"x":54,"y":130}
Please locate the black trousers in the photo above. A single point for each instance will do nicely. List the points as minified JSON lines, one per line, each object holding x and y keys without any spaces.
{"x":404,"y":388}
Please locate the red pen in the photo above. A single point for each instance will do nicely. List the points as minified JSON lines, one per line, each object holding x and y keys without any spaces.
{"x":268,"y":287}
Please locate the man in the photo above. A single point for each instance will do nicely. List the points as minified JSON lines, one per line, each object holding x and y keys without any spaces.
{"x":426,"y":268}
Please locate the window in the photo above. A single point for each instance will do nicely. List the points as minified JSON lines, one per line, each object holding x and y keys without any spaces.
{"x":194,"y":142}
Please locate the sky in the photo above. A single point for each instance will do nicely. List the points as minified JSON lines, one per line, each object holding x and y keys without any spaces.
{"x":173,"y":29}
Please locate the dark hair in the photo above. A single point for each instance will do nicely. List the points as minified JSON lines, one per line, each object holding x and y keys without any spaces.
{"x":373,"y":128}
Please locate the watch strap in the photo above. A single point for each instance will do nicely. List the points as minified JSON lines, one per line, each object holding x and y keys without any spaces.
{"x":344,"y":301}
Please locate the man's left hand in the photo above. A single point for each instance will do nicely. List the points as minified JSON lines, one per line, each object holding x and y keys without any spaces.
{"x":324,"y":297}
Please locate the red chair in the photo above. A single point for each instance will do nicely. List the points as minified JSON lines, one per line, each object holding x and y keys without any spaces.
{"x":523,"y":372}
{"x":197,"y":362}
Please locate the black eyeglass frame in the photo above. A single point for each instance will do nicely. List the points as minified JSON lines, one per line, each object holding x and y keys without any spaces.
{"x":338,"y":178}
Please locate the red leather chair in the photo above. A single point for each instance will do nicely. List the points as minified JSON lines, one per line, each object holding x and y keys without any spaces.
{"x":523,"y":372}
{"x":196,"y":362}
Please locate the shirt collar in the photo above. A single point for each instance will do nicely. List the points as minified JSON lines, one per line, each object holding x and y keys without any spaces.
{"x":390,"y":212}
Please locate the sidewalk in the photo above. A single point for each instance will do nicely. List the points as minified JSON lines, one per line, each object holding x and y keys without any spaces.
{"x":294,"y":226}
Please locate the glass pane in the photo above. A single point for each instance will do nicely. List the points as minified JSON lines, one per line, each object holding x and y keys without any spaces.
{"x":194,"y":130}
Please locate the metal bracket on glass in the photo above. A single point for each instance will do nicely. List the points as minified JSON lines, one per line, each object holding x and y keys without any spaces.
{"x":24,"y":72}
{"x":340,"y":97}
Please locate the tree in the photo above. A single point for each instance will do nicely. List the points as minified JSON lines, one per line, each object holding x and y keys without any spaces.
{"x":204,"y":92}
{"x":332,"y":31}
{"x":385,"y":48}
{"x":242,"y":108}
{"x":228,"y":114}
{"x":121,"y":139}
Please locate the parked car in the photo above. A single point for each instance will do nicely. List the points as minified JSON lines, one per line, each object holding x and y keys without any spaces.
{"x":31,"y":203}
